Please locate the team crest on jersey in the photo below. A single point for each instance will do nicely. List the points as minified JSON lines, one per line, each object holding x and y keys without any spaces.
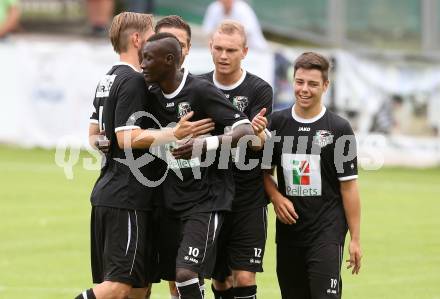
{"x":240,"y":102}
{"x":183,"y":108}
{"x":103,"y":90}
{"x":323,"y":138}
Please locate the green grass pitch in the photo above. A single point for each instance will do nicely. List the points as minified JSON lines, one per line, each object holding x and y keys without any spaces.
{"x":44,"y":230}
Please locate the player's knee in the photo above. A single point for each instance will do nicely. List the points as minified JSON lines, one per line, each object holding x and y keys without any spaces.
{"x":119,"y":290}
{"x":183,"y":275}
{"x":173,"y":288}
{"x":139,"y":293}
{"x":148,"y":291}
{"x":243,"y":278}
{"x":223,"y":285}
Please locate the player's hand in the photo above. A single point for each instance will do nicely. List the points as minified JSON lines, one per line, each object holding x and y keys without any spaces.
{"x":355,"y":252}
{"x":284,"y":210}
{"x":186,"y":128}
{"x":259,"y":122}
{"x":189,"y":149}
{"x":102,"y":143}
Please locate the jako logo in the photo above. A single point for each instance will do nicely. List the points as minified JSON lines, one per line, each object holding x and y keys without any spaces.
{"x":303,"y":129}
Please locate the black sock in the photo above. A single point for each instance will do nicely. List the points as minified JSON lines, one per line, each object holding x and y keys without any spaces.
{"x":86,"y":295}
{"x":189,"y":289}
{"x":226,"y":294}
{"x":249,"y":292}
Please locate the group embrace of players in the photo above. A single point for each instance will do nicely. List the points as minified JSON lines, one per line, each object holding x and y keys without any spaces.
{"x":208,"y":219}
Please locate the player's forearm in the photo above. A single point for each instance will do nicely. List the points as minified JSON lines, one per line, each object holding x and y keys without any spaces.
{"x":93,"y":135}
{"x":142,"y":139}
{"x":260,"y":144}
{"x":352,"y":207}
{"x":238,"y":132}
{"x":270,"y":186}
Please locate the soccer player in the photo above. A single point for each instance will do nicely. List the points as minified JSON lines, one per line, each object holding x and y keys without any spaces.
{"x":179,"y":28}
{"x":317,"y":195}
{"x":168,"y":224}
{"x":197,"y":191}
{"x":243,"y":236}
{"x":121,"y":205}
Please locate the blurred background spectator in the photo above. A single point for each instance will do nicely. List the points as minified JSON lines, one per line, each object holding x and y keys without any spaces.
{"x":236,"y":10}
{"x":9,"y":16}
{"x":141,"y":6}
{"x":100,"y":13}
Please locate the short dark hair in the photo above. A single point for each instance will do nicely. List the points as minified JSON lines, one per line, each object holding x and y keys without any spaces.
{"x":173,"y":21}
{"x":313,"y":61}
{"x":162,"y":35}
{"x":174,"y":48}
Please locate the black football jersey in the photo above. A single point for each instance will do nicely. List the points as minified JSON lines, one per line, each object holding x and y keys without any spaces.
{"x":250,"y":94}
{"x":121,"y":93}
{"x":312,"y":157}
{"x":191,"y":185}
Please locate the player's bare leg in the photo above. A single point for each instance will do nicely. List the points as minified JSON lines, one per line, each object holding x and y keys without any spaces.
{"x":173,"y":290}
{"x":143,"y":293}
{"x":244,"y":285}
{"x":188,"y":285}
{"x":223,"y":289}
{"x":148,"y":291}
{"x":111,"y":290}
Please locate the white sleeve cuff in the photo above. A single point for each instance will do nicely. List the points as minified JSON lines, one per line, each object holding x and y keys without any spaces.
{"x":94,"y":121}
{"x":212,"y":143}
{"x":240,"y":122}
{"x":126,"y":128}
{"x":348,"y":178}
{"x":268,"y":133}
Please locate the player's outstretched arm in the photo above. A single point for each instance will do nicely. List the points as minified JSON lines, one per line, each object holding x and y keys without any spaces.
{"x":352,"y":207}
{"x":141,"y":139}
{"x":97,"y":138}
{"x":196,"y":146}
{"x":94,"y":132}
{"x":283,"y":207}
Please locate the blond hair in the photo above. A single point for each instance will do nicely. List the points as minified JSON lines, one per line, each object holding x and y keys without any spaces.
{"x":124,"y":24}
{"x":230,"y":27}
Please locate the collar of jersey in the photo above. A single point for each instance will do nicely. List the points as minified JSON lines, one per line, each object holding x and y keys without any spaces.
{"x":308,"y":120}
{"x":127,"y":64}
{"x":229,"y":87}
{"x":179,"y":89}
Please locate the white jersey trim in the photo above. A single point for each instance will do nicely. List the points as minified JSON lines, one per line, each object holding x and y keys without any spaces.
{"x":232,"y":86}
{"x":348,"y":178}
{"x":136,"y":244}
{"x":127,"y":64}
{"x":268,"y":133}
{"x":94,"y":121}
{"x":207,"y":236}
{"x":129,"y":233}
{"x":126,"y":128}
{"x":179,"y":89}
{"x":240,"y":122}
{"x":308,"y":120}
